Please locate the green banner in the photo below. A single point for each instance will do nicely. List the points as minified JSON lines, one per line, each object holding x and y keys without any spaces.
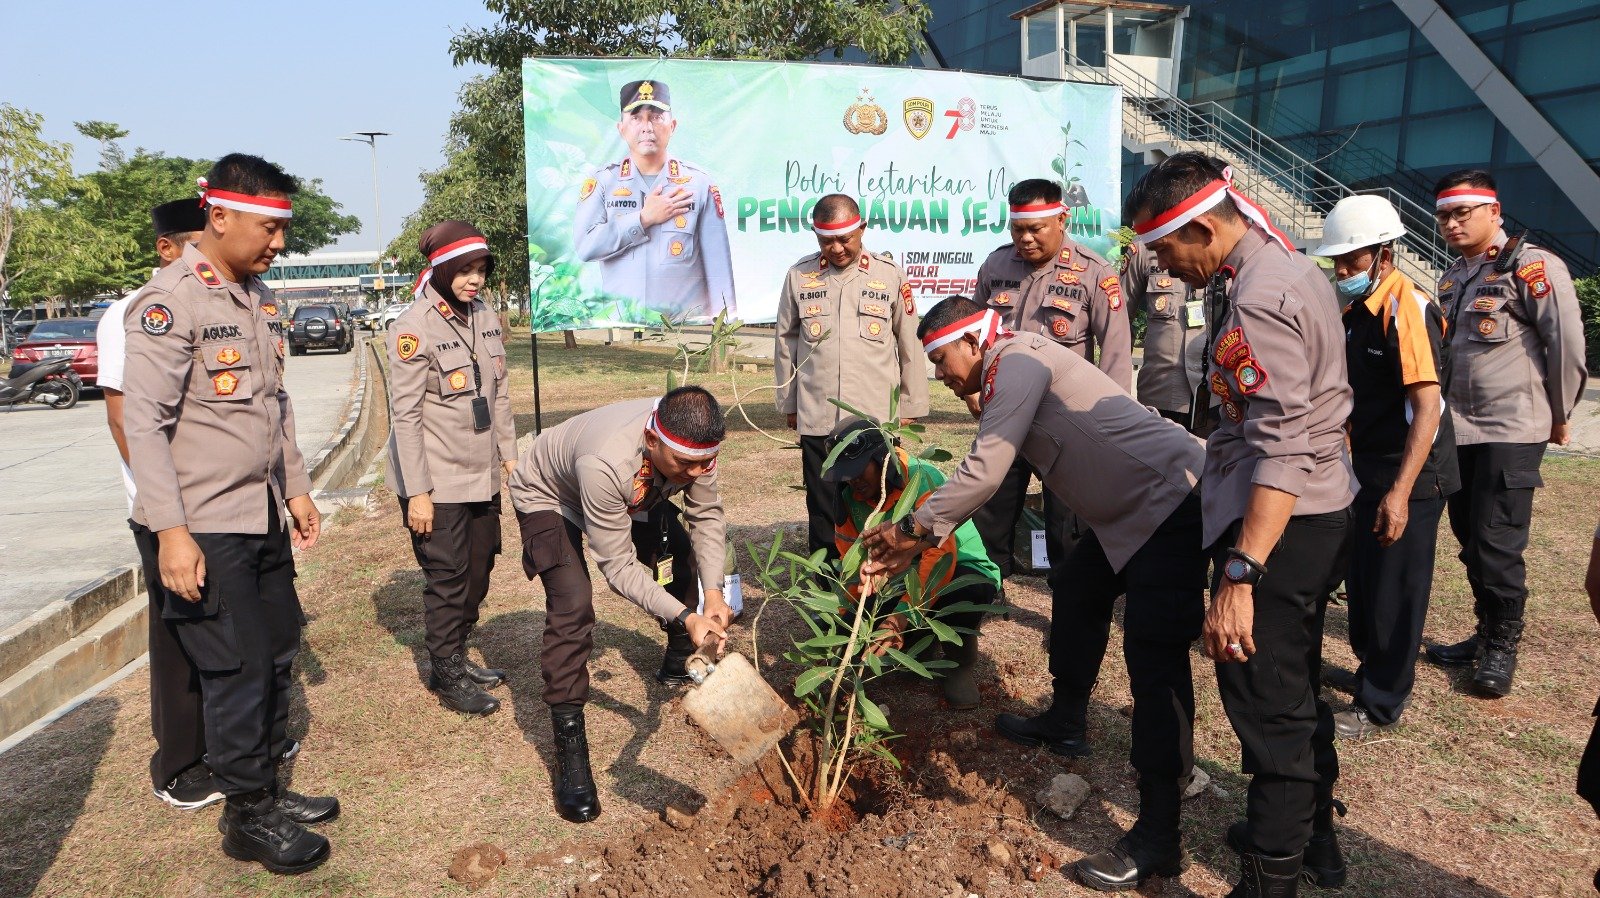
{"x":698,"y":198}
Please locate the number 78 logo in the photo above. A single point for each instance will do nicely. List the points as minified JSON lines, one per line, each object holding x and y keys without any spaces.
{"x":962,"y":118}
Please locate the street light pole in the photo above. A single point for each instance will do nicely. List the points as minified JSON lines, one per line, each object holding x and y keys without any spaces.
{"x":370,"y":138}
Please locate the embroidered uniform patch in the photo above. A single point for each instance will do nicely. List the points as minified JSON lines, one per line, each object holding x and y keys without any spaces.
{"x":1231,"y":349}
{"x":1483,"y":304}
{"x":874,"y":328}
{"x":680,"y":222}
{"x":269,"y":309}
{"x":156,"y":319}
{"x":587,"y":190}
{"x":1251,"y":376}
{"x":1066,"y":277}
{"x":406,"y":346}
{"x":1001,"y":299}
{"x":458,"y":380}
{"x":1163,"y":283}
{"x":874,"y":309}
{"x":622,"y":191}
{"x":1061,"y":304}
{"x":1060,"y":327}
{"x":228,"y":356}
{"x":716,"y":197}
{"x":815,"y":330}
{"x":1486,"y":326}
{"x":906,"y":300}
{"x":988,"y":381}
{"x":1232,"y":410}
{"x":1113,"y":291}
{"x":1161,"y":303}
{"x":677,"y":248}
{"x":207,"y":274}
{"x":225,"y":383}
{"x":443,"y":308}
{"x":1219,"y":385}
{"x":812,"y":311}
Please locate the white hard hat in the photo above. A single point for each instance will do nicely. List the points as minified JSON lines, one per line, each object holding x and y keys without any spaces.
{"x":1356,"y":222}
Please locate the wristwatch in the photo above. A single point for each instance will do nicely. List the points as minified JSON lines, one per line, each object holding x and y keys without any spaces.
{"x":908,"y":529}
{"x":683,"y":616}
{"x":1241,"y":568}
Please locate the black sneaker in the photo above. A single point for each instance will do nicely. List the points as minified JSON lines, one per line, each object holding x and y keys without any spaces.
{"x":192,"y":789}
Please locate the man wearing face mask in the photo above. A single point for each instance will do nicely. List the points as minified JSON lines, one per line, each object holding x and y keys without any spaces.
{"x":655,"y":222}
{"x":211,"y":441}
{"x":609,"y":475}
{"x":1402,"y":447}
{"x":847,"y":330}
{"x":1516,"y":372}
{"x":452,"y":438}
{"x":1044,"y":283}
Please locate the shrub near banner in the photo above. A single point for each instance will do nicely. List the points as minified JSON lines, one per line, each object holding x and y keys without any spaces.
{"x":928,"y":154}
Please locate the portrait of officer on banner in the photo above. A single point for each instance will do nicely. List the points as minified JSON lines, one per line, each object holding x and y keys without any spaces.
{"x":654,"y":222}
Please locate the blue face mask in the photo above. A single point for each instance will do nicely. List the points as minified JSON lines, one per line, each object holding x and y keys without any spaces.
{"x":1355,"y":286}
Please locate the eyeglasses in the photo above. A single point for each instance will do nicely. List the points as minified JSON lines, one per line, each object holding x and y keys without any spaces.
{"x":1457,"y":215}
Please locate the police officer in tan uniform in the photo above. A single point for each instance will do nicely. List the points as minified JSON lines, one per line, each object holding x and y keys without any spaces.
{"x":1516,"y":372}
{"x":1278,"y":488}
{"x":847,"y":330}
{"x":452,"y":437}
{"x":1132,"y":476}
{"x":211,"y":441}
{"x":654,"y":222}
{"x":1044,"y":283}
{"x":608,"y":475}
{"x":1174,"y":334}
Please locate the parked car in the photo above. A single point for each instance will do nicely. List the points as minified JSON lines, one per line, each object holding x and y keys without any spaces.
{"x":345,"y":315}
{"x":365,"y":318}
{"x":387,"y":317}
{"x":60,"y":338}
{"x":319,"y":327}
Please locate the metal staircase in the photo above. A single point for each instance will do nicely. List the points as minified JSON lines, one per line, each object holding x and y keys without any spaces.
{"x":1296,"y":193}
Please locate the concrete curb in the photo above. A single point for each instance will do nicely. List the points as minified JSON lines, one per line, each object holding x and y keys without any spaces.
{"x":51,"y":658}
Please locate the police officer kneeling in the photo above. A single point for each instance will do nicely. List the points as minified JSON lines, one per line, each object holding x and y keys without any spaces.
{"x":211,"y":441}
{"x":451,"y":438}
{"x":1131,"y":475}
{"x":609,"y":475}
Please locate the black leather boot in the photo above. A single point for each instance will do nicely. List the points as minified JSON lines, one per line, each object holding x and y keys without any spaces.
{"x":487,"y":677}
{"x":1459,"y":654}
{"x":679,"y":648}
{"x":305,"y":810}
{"x":577,"y":799}
{"x":1064,"y":728}
{"x":457,"y":691}
{"x":1152,"y":847}
{"x":254,"y":829}
{"x":1498,"y":665}
{"x":1323,"y":865}
{"x":1265,"y":876}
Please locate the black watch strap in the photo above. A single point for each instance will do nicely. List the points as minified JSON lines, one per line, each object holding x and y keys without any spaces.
{"x":1253,"y":569}
{"x":683,"y":616}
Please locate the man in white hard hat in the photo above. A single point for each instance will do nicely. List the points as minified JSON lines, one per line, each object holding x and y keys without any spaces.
{"x":1402,"y":446}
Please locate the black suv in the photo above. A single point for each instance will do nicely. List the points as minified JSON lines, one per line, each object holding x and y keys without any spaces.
{"x":319,"y":327}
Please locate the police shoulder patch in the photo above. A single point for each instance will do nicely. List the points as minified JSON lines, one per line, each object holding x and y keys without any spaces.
{"x":587,"y":190}
{"x":406,"y":346}
{"x":906,"y":300}
{"x":1113,"y":291}
{"x":1250,"y":375}
{"x":716,"y":197}
{"x":207,"y":274}
{"x":156,"y":319}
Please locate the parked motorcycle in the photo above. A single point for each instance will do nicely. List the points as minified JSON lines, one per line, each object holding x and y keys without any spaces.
{"x":53,"y":383}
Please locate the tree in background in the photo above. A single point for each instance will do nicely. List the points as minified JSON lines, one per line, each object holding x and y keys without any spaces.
{"x":483,"y":178}
{"x":31,"y":169}
{"x":90,"y":235}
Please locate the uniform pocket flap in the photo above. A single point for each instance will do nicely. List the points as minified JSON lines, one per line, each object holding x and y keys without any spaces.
{"x":1523,"y":480}
{"x":451,"y":359}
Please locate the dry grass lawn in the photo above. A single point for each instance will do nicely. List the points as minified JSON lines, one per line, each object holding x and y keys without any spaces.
{"x":1469,"y":798}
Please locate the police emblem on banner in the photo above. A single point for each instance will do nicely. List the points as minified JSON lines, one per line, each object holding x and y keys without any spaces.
{"x":865,"y":116}
{"x":918,"y":116}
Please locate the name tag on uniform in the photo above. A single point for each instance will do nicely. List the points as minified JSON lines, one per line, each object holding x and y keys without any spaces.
{"x":664,"y":570}
{"x":1194,"y":313}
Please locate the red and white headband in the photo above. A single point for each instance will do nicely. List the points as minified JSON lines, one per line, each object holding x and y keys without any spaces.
{"x":836,"y":228}
{"x":686,"y":448}
{"x":459,"y":248}
{"x":1038,"y":210}
{"x":1465,"y":194}
{"x":243,"y":202}
{"x":986,"y":324}
{"x":1203,"y":201}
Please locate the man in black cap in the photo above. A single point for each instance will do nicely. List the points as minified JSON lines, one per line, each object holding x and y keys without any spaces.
{"x":177,"y":773}
{"x":655,"y":223}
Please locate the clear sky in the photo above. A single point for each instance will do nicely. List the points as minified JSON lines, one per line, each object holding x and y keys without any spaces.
{"x":281,"y":79}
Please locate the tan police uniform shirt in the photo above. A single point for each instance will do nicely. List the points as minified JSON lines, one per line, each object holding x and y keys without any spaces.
{"x":592,"y":469}
{"x":209,"y":426}
{"x":1075,"y":300}
{"x":1174,"y":332}
{"x":850,"y":335}
{"x":433,"y":447}
{"x":1516,"y":363}
{"x":1118,"y":465}
{"x":1277,"y":370}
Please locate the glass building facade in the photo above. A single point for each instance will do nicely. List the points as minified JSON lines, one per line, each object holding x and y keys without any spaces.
{"x":1354,"y":86}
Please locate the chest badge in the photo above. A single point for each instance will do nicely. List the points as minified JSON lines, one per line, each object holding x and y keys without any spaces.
{"x":228,"y":356}
{"x":1061,"y":304}
{"x":458,"y":380}
{"x":1161,"y":303}
{"x":877,"y":285}
{"x":874,"y":328}
{"x":680,"y":222}
{"x":1483,"y":304}
{"x":1067,"y":277}
{"x":269,"y":309}
{"x":207,"y":274}
{"x":1486,"y":326}
{"x":812,"y":311}
{"x":1163,"y":283}
{"x":1060,"y":327}
{"x":815,"y":330}
{"x":225,"y":383}
{"x":406,"y":345}
{"x":677,"y":248}
{"x":1002,"y":299}
{"x":622,"y":191}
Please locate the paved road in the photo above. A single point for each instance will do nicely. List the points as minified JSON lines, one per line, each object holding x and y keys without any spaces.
{"x":63,"y":512}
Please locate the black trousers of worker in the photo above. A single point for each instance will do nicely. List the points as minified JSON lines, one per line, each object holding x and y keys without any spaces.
{"x":997,"y":521}
{"x":552,"y":550}
{"x":1490,"y":516}
{"x":456,"y":560}
{"x":822,"y":499}
{"x":243,"y":636}
{"x":1165,"y":584}
{"x":177,"y":718}
{"x":1285,"y":730}
{"x":1388,"y":590}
